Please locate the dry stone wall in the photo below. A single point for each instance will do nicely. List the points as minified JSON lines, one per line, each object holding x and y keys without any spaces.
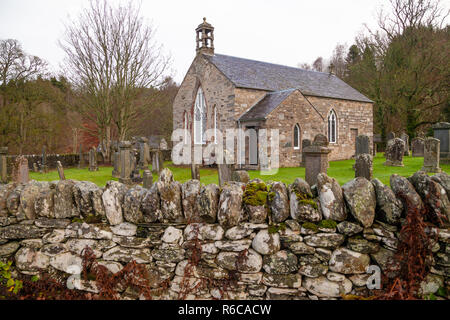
{"x":250,"y":241}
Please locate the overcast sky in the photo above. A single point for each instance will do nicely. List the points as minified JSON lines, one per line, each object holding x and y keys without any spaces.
{"x":279,"y":31}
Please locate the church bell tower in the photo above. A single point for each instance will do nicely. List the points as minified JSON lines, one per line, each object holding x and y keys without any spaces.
{"x":205,"y":38}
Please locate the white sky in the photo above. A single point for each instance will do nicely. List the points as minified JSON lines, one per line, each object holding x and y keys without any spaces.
{"x":279,"y":31}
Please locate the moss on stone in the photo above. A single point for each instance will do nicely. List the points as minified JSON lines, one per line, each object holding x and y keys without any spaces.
{"x":255,"y":194}
{"x":274,"y":228}
{"x":310,"y":226}
{"x":77,"y":219}
{"x":327,"y":224}
{"x":310,"y":202}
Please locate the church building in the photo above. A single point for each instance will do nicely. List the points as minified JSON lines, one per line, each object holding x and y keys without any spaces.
{"x":221,"y":92}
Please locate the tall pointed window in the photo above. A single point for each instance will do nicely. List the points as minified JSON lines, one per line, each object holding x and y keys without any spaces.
{"x":332,"y":127}
{"x":296,"y":137}
{"x":215,"y":124}
{"x":185,"y":127}
{"x":199,"y":118}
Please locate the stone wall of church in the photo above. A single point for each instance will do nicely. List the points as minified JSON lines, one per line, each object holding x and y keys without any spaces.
{"x":350,"y":115}
{"x":246,"y":98}
{"x":218,"y":91}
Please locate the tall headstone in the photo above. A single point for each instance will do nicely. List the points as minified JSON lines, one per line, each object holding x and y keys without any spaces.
{"x":60,"y":170}
{"x":395,"y":150}
{"x":195,"y":171}
{"x":147,"y":179}
{"x":431,"y":155}
{"x":44,"y":167}
{"x":135,"y":174}
{"x":364,"y":166}
{"x":417,"y":147}
{"x":144,"y":153}
{"x":125,"y":162}
{"x":93,"y":160}
{"x":362,"y":145}
{"x":225,"y":172}
{"x":405,"y":138}
{"x":316,"y":158}
{"x":21,"y":172}
{"x":157,"y":161}
{"x":390,"y":136}
{"x":3,"y":165}
{"x":116,"y":160}
{"x":305,"y":143}
{"x":442,"y":132}
{"x":81,"y":160}
{"x":35,"y":167}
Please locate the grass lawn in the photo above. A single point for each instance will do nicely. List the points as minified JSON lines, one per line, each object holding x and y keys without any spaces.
{"x":340,"y":170}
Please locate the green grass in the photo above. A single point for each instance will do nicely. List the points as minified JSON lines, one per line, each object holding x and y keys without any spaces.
{"x":340,"y":170}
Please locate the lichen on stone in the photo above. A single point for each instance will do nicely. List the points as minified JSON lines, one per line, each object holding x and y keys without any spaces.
{"x":255,"y":194}
{"x":327,"y":223}
{"x":310,"y":226}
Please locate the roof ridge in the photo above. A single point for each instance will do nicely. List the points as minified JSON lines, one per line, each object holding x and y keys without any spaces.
{"x":275,"y":64}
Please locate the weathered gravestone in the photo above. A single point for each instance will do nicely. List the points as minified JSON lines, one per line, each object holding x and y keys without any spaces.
{"x":144,"y":153}
{"x":364,"y":166}
{"x":21,"y":172}
{"x":81,"y":160}
{"x":147,"y":179}
{"x":125,"y":162}
{"x":225,"y":172}
{"x":394,"y":153}
{"x":305,"y":143}
{"x":44,"y":167}
{"x":3,"y":165}
{"x":60,"y":170}
{"x":316,"y":158}
{"x":442,"y":132}
{"x":157,"y":161}
{"x":417,"y":147}
{"x":390,"y":136}
{"x":93,"y":160}
{"x":405,"y":138}
{"x":431,"y":155}
{"x":241,"y":176}
{"x":195,"y":171}
{"x":35,"y":167}
{"x":362,"y":145}
{"x":116,"y":169}
{"x":135,"y":175}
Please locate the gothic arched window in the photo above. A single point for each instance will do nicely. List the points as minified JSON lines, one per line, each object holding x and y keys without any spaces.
{"x":199,"y":118}
{"x":296,"y":137}
{"x":185,"y":127}
{"x":332,"y":127}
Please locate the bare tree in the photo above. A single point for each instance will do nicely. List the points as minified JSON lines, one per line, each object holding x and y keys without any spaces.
{"x":305,"y":66}
{"x":338,"y":60}
{"x":111,"y":58}
{"x":318,"y":64}
{"x":16,"y":65}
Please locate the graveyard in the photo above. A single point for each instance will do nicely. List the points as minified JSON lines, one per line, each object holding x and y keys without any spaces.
{"x":340,"y":170}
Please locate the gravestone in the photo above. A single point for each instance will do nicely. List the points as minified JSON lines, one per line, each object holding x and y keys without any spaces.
{"x":163,"y":144}
{"x":116,"y":169}
{"x":60,"y":170}
{"x":21,"y":172}
{"x":364,"y":166}
{"x":157,"y":161}
{"x":147,"y":179}
{"x":375,"y":149}
{"x":225,"y":172}
{"x":3,"y":165}
{"x":431,"y":155}
{"x":305,"y":143}
{"x":135,"y":174}
{"x":44,"y":168}
{"x":417,"y":147}
{"x":390,"y":136}
{"x":316,"y":158}
{"x":442,"y":132}
{"x":35,"y":167}
{"x":395,"y":150}
{"x":93,"y":160}
{"x":144,"y":153}
{"x":405,"y":138}
{"x":241,"y":176}
{"x":125,"y":162}
{"x":362,"y":145}
{"x":195,"y":171}
{"x":81,"y":160}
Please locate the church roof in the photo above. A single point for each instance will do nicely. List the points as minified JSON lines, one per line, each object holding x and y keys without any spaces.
{"x":265,"y":106}
{"x":252,"y":74}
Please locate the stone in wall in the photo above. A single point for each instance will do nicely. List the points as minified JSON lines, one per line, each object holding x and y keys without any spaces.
{"x":190,"y":192}
{"x":331,"y":198}
{"x":170,"y":194}
{"x":389,"y":209}
{"x":150,"y":205}
{"x":302,"y":205}
{"x":208,"y":202}
{"x":88,"y":198}
{"x":360,"y":197}
{"x":132,"y":201}
{"x":230,"y":212}
{"x":112,"y":201}
{"x":279,"y":202}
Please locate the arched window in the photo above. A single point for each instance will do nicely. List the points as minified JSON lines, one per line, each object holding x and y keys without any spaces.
{"x":215,"y":124}
{"x":332,"y":127}
{"x":296,"y":137}
{"x":185,"y":127}
{"x":199,"y":118}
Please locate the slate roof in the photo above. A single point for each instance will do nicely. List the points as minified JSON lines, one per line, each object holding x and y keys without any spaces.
{"x":252,"y":74}
{"x":265,"y":106}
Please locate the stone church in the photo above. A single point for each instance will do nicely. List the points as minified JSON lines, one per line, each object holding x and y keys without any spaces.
{"x":221,"y":92}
